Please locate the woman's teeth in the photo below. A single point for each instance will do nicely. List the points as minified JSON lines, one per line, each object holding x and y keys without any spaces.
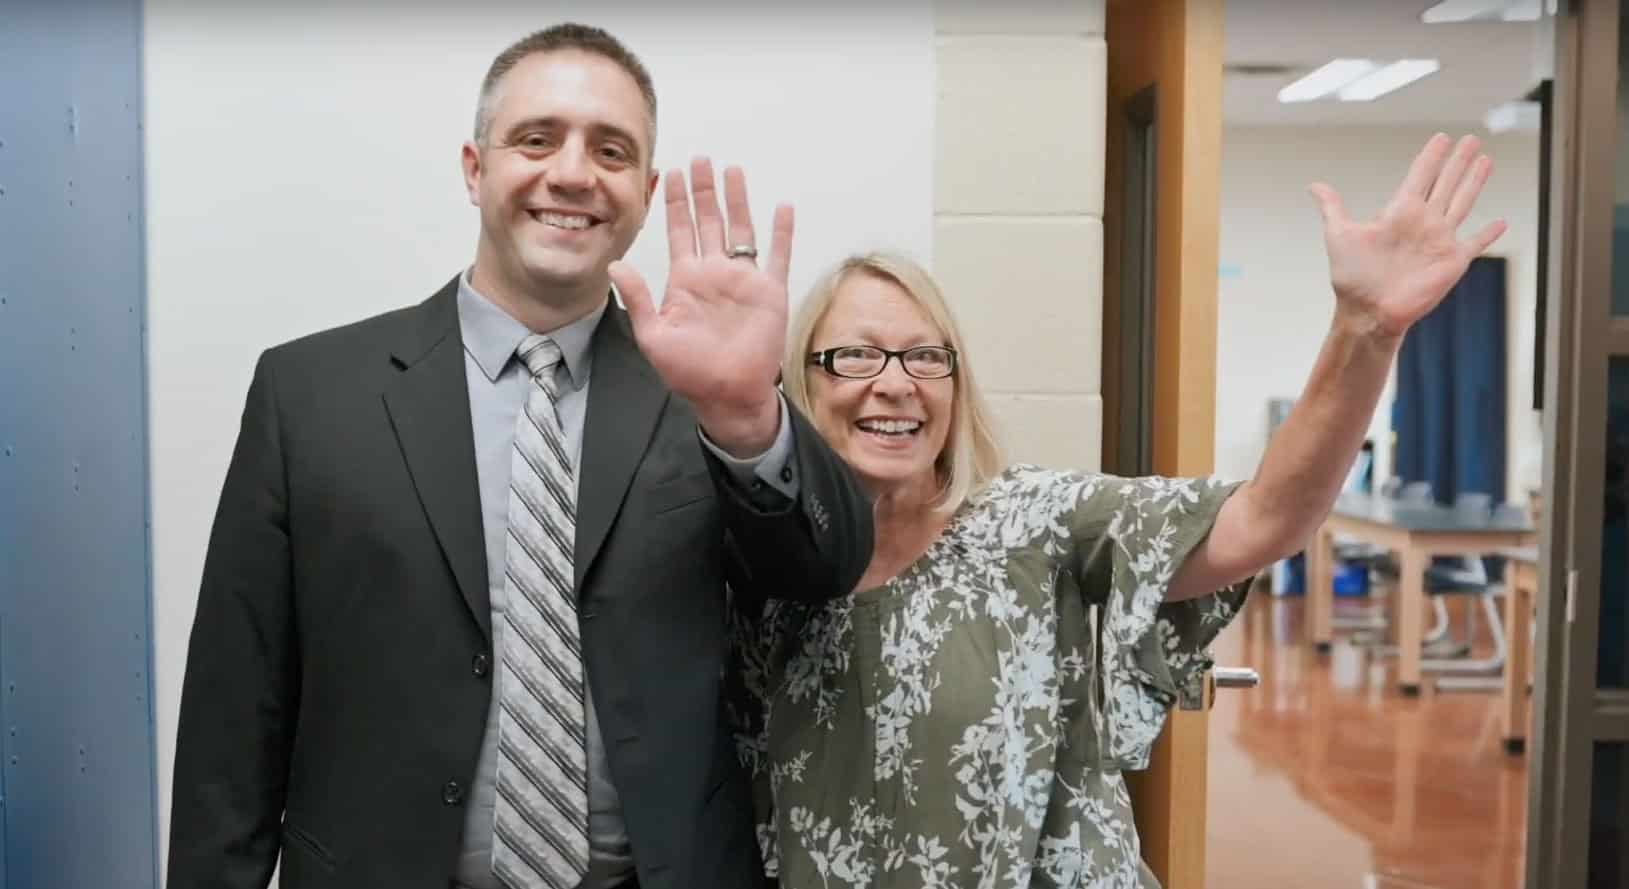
{"x":891,"y":427}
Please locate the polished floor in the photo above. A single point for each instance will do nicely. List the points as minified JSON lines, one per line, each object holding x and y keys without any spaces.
{"x":1326,"y":776}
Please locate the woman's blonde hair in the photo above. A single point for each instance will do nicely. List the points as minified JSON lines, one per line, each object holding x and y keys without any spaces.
{"x":972,"y":454}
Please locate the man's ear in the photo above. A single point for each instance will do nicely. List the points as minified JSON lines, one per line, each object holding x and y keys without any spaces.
{"x":470,"y":157}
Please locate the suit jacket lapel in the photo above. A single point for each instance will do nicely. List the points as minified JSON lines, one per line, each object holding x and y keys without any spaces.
{"x":429,"y":408}
{"x":625,"y":399}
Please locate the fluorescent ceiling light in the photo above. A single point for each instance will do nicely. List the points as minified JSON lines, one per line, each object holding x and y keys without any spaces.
{"x":1479,"y":10}
{"x":1393,"y":76}
{"x":1326,"y":80}
{"x":1512,"y":116}
{"x":1461,"y":10}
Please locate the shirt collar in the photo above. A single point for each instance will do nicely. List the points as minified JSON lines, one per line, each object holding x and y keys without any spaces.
{"x":491,"y":335}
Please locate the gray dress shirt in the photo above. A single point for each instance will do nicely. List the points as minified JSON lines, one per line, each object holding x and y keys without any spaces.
{"x":498,"y":385}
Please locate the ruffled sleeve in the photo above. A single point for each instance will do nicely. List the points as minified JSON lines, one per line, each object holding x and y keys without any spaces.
{"x":1131,"y":536}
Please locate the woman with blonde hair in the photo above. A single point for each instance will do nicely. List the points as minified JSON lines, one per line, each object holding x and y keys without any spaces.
{"x":963,"y":718}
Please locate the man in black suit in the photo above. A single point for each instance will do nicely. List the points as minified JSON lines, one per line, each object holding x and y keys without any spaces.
{"x":462,"y":618}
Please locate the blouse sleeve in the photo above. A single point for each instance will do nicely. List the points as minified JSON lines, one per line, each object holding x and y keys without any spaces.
{"x":1130,"y":536}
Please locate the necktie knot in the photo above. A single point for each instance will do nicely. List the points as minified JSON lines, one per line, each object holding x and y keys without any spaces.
{"x":540,"y":354}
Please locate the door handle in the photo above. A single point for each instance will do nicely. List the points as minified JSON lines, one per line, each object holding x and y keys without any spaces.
{"x":1234,"y":677}
{"x":1201,"y":696}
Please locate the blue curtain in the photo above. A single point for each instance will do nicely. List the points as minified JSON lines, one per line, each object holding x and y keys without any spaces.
{"x":1449,"y":414}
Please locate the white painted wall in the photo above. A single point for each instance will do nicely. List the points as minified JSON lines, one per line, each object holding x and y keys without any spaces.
{"x":303,"y":172}
{"x":1275,"y":301}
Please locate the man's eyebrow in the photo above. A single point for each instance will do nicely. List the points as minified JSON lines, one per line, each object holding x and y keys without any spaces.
{"x":530,"y":123}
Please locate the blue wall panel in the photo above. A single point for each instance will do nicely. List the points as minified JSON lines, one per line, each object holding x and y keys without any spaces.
{"x":76,"y":724}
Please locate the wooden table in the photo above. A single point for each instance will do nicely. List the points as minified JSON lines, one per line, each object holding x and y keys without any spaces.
{"x":1416,"y":533}
{"x":1521,"y":573}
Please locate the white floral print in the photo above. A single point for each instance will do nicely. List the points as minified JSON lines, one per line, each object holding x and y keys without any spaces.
{"x":967,"y":723}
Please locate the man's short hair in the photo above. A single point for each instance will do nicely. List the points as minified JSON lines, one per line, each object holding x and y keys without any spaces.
{"x":566,"y":36}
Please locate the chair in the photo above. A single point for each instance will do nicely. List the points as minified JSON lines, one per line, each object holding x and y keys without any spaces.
{"x":1468,"y":575}
{"x":1354,"y":552}
{"x":1416,"y":492}
{"x":1459,"y":574}
{"x":1385,"y":565}
{"x":1483,"y":673}
{"x":1446,"y":577}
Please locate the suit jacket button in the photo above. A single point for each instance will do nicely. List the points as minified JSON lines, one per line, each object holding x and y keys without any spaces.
{"x":482,"y":665}
{"x":452,"y":794}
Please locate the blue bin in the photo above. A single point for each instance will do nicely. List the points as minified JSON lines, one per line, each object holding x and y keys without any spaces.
{"x":1290,"y":577}
{"x":1351,"y":579}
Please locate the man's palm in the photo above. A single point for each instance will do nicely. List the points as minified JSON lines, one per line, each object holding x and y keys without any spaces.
{"x":718,"y":335}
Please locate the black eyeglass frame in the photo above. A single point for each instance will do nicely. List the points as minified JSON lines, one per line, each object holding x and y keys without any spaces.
{"x":826,"y":359}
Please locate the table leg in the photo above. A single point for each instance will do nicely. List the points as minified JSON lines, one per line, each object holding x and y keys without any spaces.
{"x":1410,"y":741}
{"x":1321,"y":587}
{"x":1410,"y":618}
{"x":1518,"y":633}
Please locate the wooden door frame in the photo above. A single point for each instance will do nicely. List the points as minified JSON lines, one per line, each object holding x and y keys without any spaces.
{"x":1177,"y":45}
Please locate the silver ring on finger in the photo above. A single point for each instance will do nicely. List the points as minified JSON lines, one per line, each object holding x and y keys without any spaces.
{"x":743,"y":251}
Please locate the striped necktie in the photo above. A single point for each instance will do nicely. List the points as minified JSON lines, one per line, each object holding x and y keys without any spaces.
{"x":540,"y":828}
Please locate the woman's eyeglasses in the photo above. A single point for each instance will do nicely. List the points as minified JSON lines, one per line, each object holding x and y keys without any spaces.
{"x":865,"y":362}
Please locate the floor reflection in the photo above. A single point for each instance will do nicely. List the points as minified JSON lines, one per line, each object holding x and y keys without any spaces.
{"x":1326,"y":776}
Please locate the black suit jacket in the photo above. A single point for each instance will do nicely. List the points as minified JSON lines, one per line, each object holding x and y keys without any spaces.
{"x":339,"y":669}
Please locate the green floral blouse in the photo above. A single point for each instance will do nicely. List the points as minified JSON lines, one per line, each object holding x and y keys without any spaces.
{"x":966,"y":724}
